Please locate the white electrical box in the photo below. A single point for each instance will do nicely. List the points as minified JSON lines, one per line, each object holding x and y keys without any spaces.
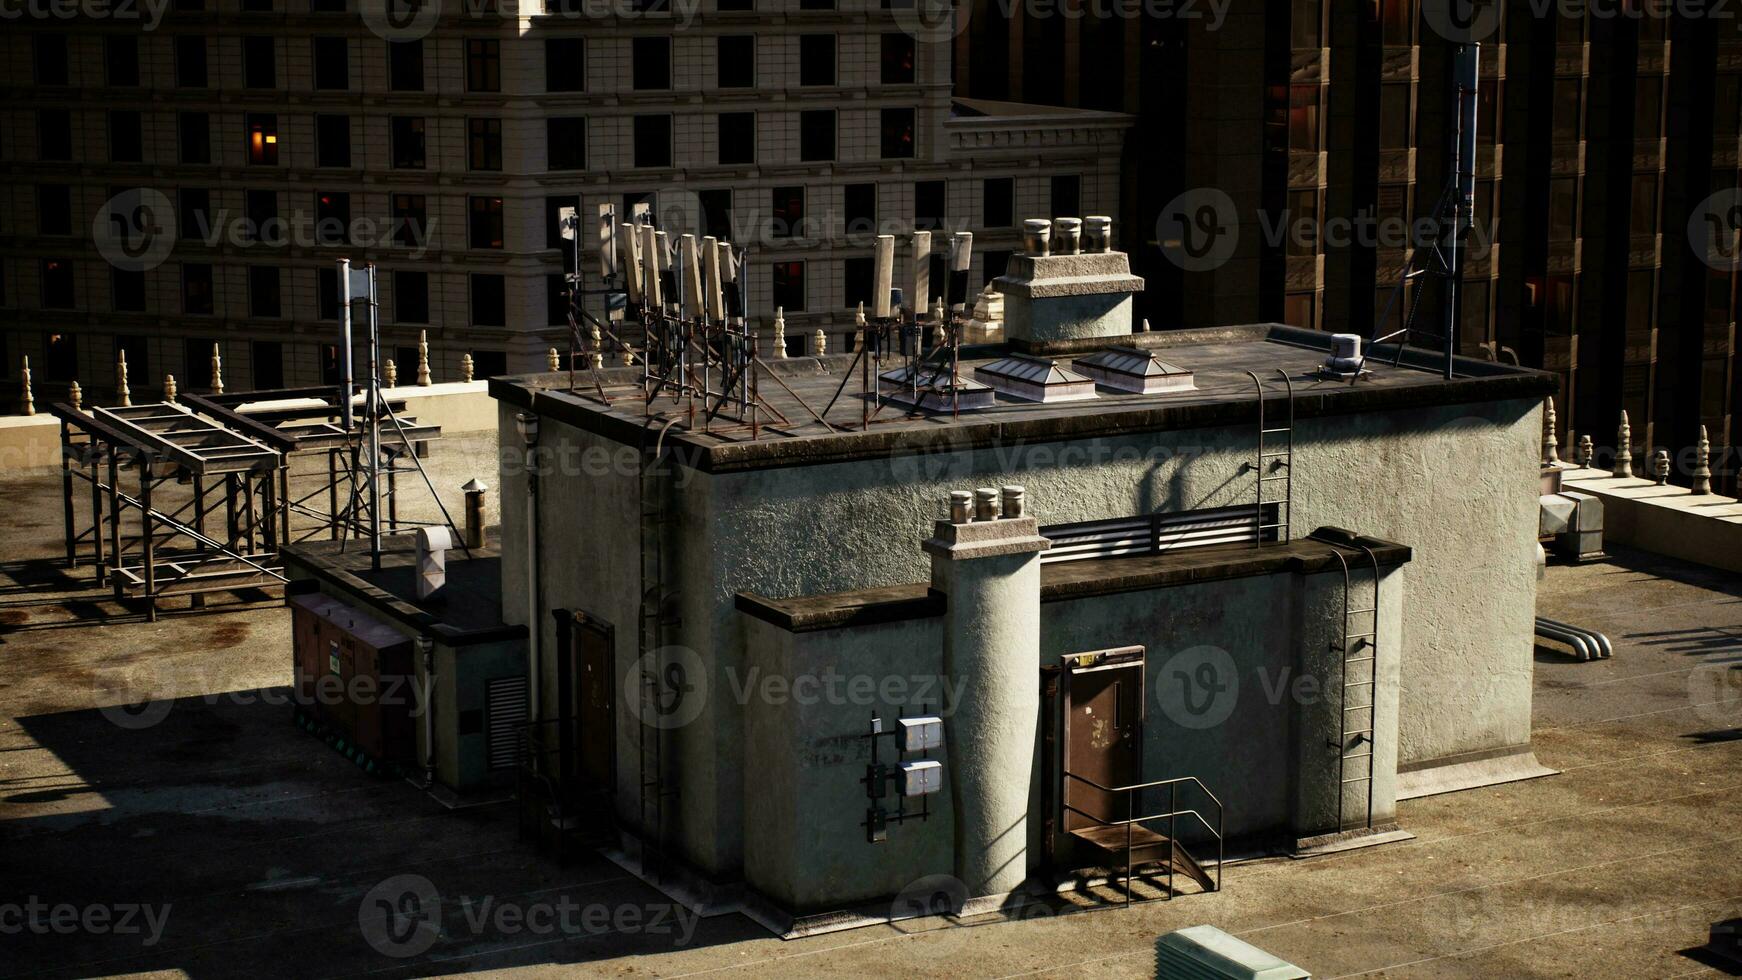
{"x":922,"y":777}
{"x":920,"y":734}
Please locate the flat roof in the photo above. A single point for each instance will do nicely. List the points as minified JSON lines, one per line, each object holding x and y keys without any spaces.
{"x":466,"y":610}
{"x":1224,"y":396}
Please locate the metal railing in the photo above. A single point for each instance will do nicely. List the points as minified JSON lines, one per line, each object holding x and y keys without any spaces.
{"x":1133,"y":795}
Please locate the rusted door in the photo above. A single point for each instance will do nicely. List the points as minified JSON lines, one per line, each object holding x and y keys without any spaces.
{"x":1103,"y":738}
{"x":596,"y":724}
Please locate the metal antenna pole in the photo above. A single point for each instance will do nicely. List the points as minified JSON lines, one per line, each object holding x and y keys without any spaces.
{"x":1463,"y":201}
{"x":374,"y":416}
{"x":345,"y":378}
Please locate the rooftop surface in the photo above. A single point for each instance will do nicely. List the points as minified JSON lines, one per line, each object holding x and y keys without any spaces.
{"x":469,"y":603}
{"x":255,"y":845}
{"x":801,"y":389}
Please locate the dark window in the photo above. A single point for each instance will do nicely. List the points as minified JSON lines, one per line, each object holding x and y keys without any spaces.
{"x":898,"y":57}
{"x":1304,"y":25}
{"x":63,"y":357}
{"x":897,"y":134}
{"x":121,"y":60}
{"x":257,"y":6}
{"x":816,"y":135}
{"x":410,"y":220}
{"x":263,"y":294}
{"x":1067,"y":196}
{"x":196,"y":360}
{"x":333,"y":218}
{"x":861,"y":208}
{"x":1565,"y":128}
{"x":407,"y":140}
{"x":566,"y":142}
{"x":484,"y":143}
{"x":856,"y":280}
{"x":788,"y":211}
{"x":928,"y":204}
{"x":190,"y":61}
{"x":734,"y":6}
{"x":332,"y":63}
{"x":484,"y":223}
{"x":489,"y":363}
{"x":1563,"y":195}
{"x":405,"y":66}
{"x":737,"y":60}
{"x":195,"y":132}
{"x":411,"y":300}
{"x":565,"y":64}
{"x":54,"y":134}
{"x":129,"y":290}
{"x":196,"y":290}
{"x":262,"y":139}
{"x":737,"y":137}
{"x":553,"y":228}
{"x":488,"y":301}
{"x":327,"y":293}
{"x":193,"y":211}
{"x":998,"y":201}
{"x":789,"y":286}
{"x":51,"y":59}
{"x":652,"y":141}
{"x":262,"y":213}
{"x":556,"y":300}
{"x":816,"y":59}
{"x":816,"y":4}
{"x":716,"y":213}
{"x":994,"y":265}
{"x":331,"y":370}
{"x":332,"y":141}
{"x":650,"y":62}
{"x":268,"y":365}
{"x":483,"y":65}
{"x":54,"y":209}
{"x":135,"y":350}
{"x":259,"y":63}
{"x":126,"y":141}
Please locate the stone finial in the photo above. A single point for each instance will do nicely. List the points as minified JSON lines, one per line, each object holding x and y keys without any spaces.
{"x":1624,"y":449}
{"x":1586,"y":452}
{"x":1550,"y":444}
{"x":423,"y":358}
{"x":819,"y":344}
{"x":937,"y":322}
{"x":76,"y":396}
{"x":169,"y":391}
{"x":27,"y":401}
{"x":1660,"y":466}
{"x":466,"y":366}
{"x":985,"y":504}
{"x":596,"y":344}
{"x":1144,"y":327}
{"x":961,"y":506}
{"x":779,"y":332}
{"x":1037,"y":237}
{"x":859,"y":317}
{"x":1014,"y":505}
{"x":217,"y":371}
{"x":553,"y":360}
{"x":390,"y":373}
{"x":122,"y":392}
{"x":628,"y":357}
{"x":1067,"y":234}
{"x":1702,"y":464}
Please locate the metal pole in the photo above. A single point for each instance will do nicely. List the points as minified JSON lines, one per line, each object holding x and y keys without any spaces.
{"x":1464,"y":157}
{"x":345,"y":343}
{"x":374,"y":416}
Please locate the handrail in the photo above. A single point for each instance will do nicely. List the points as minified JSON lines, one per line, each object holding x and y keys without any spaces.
{"x":1130,"y":822}
{"x":1136,"y":786}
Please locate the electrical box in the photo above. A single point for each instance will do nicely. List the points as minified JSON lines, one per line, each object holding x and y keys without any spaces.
{"x":921,"y":734}
{"x":921,"y":777}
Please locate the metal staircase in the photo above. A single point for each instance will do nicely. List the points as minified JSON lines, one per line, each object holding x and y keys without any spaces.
{"x":1359,"y":648}
{"x":1274,"y":465}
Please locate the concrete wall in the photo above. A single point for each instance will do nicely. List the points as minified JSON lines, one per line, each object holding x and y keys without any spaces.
{"x":1667,"y":520}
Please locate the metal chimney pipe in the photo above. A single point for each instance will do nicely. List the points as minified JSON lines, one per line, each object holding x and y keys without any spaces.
{"x":1069,"y":233}
{"x":475,"y":490}
{"x":1037,"y":236}
{"x":961,"y":506}
{"x":985,"y":504}
{"x":1097,"y":233}
{"x":1013,"y":502}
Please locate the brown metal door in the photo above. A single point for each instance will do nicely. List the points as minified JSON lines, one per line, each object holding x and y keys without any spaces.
{"x":596,"y":726}
{"x":1103,"y":739}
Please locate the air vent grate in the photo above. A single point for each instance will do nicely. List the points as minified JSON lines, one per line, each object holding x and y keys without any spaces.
{"x":1155,"y":534}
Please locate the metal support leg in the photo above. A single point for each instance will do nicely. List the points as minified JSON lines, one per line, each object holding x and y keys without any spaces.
{"x":66,"y":480}
{"x":146,"y":534}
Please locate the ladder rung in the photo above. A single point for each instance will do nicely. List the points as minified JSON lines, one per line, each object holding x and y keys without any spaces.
{"x":1270,"y":527}
{"x":1359,"y":660}
{"x":1269,"y":455}
{"x":1272,"y":479}
{"x":1359,"y":731}
{"x":1357,"y":779}
{"x":1360,"y":612}
{"x":1272,"y":432}
{"x":1360,"y":636}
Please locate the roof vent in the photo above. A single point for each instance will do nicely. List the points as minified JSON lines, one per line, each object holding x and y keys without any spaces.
{"x":1134,"y":370}
{"x":935,"y":390}
{"x":1035,"y":379}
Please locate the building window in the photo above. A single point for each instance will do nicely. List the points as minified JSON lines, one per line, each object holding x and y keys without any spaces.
{"x":856,"y":281}
{"x":816,"y":135}
{"x":121,"y":60}
{"x":483,"y":65}
{"x":566,"y":143}
{"x":897,"y":134}
{"x":1303,"y":116}
{"x":898,"y":58}
{"x":1304,"y":24}
{"x":1565,"y":125}
{"x":268,"y":366}
{"x":488,"y":301}
{"x":789,"y":286}
{"x":737,"y":60}
{"x":1642,"y":221}
{"x":1067,"y":195}
{"x":737,"y":138}
{"x":332,"y":141}
{"x":263,"y":295}
{"x":734,"y":6}
{"x":259,"y":63}
{"x":405,"y":66}
{"x":652,"y":141}
{"x":993,"y":265}
{"x":860,"y":208}
{"x":998,"y":202}
{"x":484,"y":144}
{"x":716,"y":213}
{"x":484,"y":223}
{"x":1563,"y":202}
{"x":411,"y":298}
{"x":1393,"y":115}
{"x":489,"y":363}
{"x":556,"y":300}
{"x":127,"y":290}
{"x":263,"y":139}
{"x":410,"y":220}
{"x":126,"y":141}
{"x":816,"y":59}
{"x":190,"y":61}
{"x":650,"y":62}
{"x":333,"y":218}
{"x":1301,"y":228}
{"x":929,"y":205}
{"x":51,"y":58}
{"x":1647,"y":107}
{"x":54,"y":209}
{"x":332,"y":64}
{"x":194,"y":130}
{"x":787,"y":210}
{"x":196,"y":291}
{"x":565,"y":64}
{"x":327,"y":293}
{"x":1297,"y":310}
{"x":1396,"y":21}
{"x":407,"y":138}
{"x":54,"y":134}
{"x":62,"y":350}
{"x":262,"y":213}
{"x":193,"y":213}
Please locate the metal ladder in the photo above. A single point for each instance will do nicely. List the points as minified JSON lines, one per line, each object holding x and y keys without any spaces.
{"x":653,"y":621}
{"x":1269,"y":461}
{"x":1359,"y":648}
